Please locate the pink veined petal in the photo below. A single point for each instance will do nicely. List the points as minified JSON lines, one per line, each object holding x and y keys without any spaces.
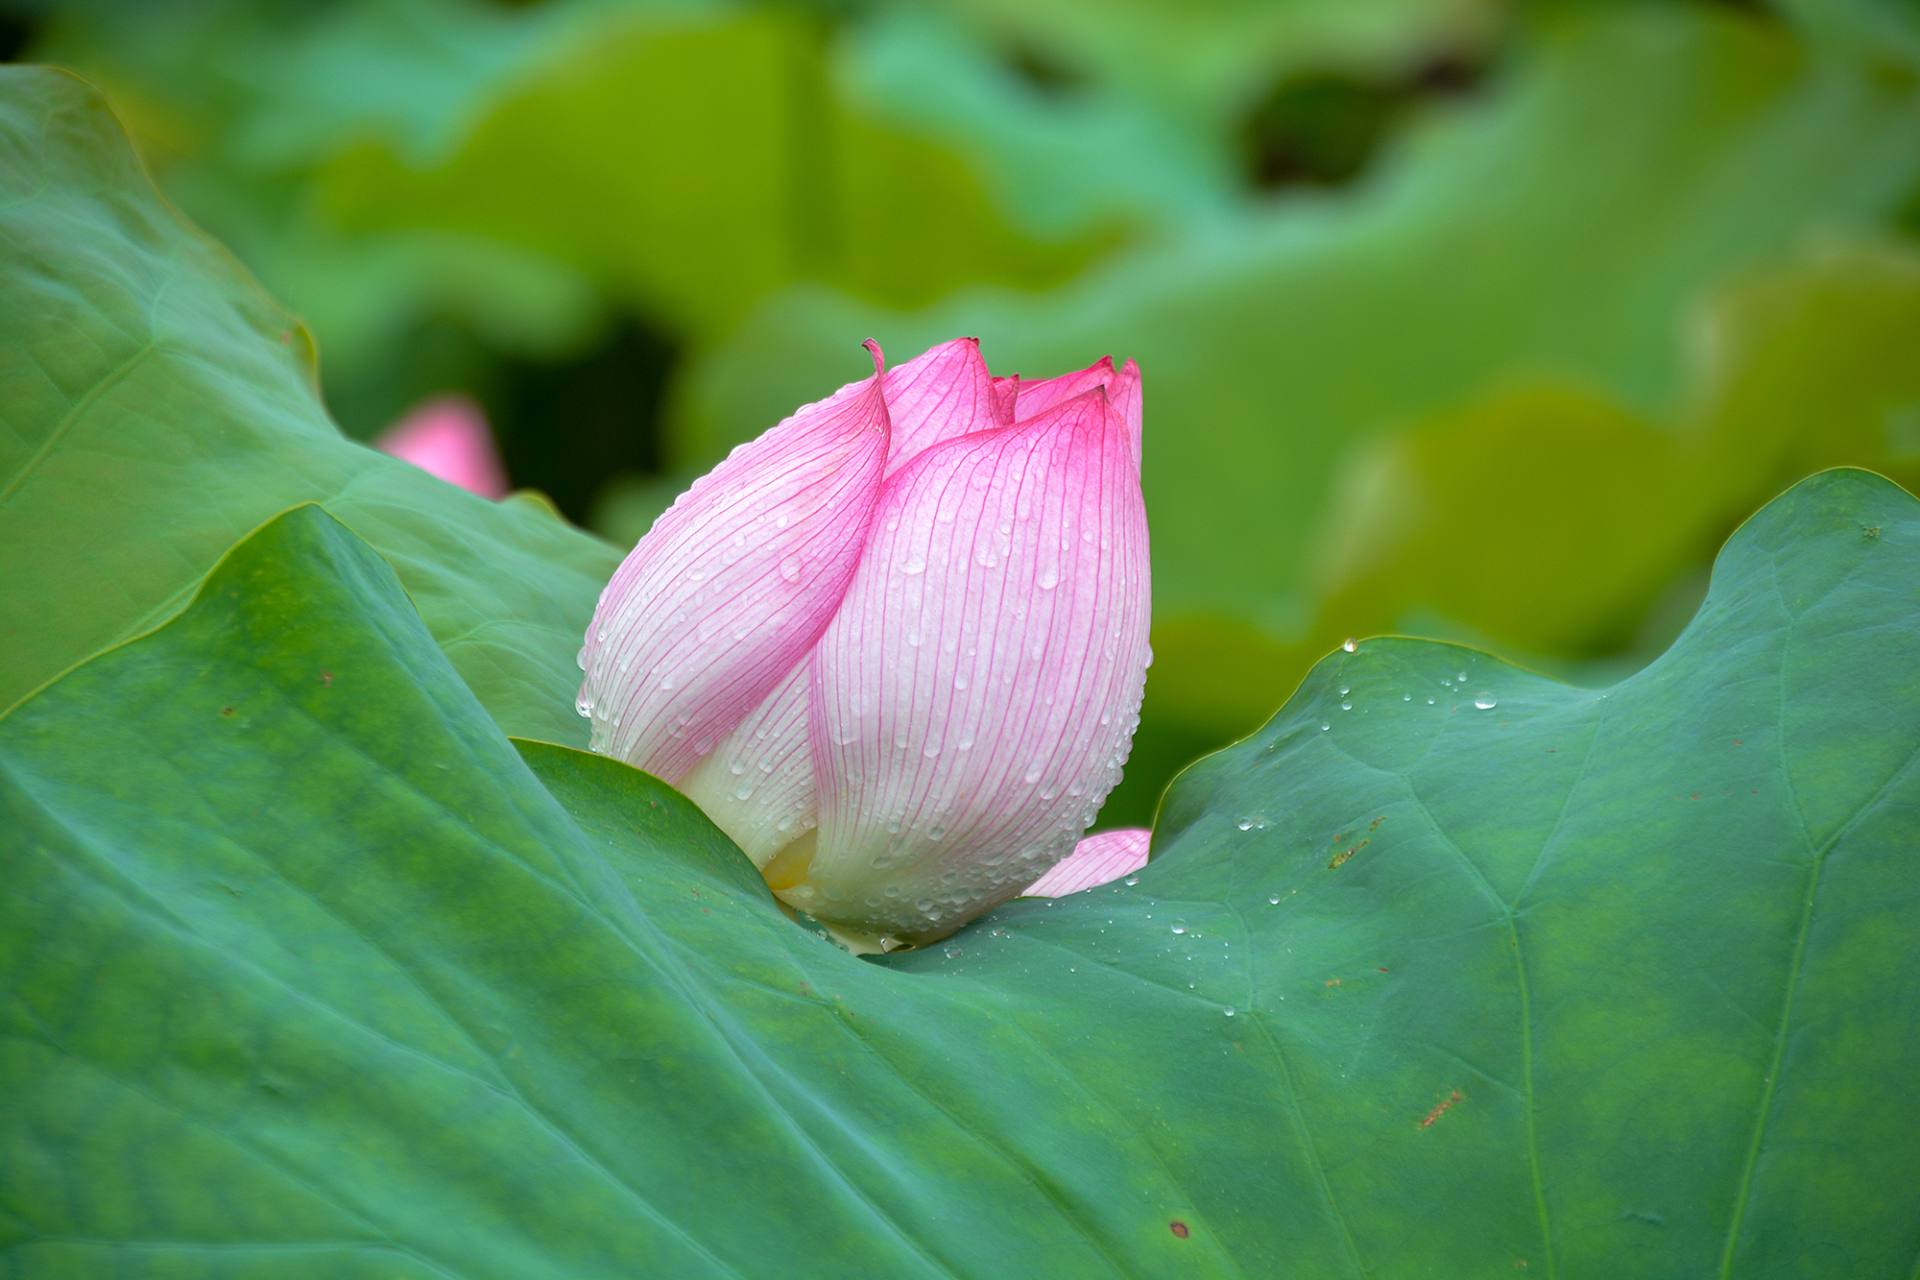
{"x":1124,"y":393}
{"x":734,"y":583}
{"x":448,"y":437}
{"x":1004,"y":392}
{"x":940,"y":394}
{"x":757,"y":785}
{"x":975,"y":697}
{"x":1122,"y":387}
{"x":1095,"y":861}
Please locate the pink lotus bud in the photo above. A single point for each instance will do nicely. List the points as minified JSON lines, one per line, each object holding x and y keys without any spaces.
{"x":896,"y":646}
{"x":448,"y":437}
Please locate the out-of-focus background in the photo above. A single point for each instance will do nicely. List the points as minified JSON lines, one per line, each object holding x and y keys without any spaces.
{"x":1470,"y":319}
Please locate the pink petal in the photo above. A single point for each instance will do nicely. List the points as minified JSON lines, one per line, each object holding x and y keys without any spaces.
{"x":975,"y":697}
{"x":1122,"y":387}
{"x":1004,"y":391}
{"x":757,"y":785}
{"x":941,"y":394}
{"x":1094,"y":861}
{"x":734,"y":583}
{"x":448,"y":438}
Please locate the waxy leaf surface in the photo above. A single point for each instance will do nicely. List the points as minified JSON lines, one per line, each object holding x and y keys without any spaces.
{"x":155,"y":405}
{"x":1450,"y":966}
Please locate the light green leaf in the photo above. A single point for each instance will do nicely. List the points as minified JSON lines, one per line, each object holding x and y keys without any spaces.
{"x":307,"y":967}
{"x":155,"y":405}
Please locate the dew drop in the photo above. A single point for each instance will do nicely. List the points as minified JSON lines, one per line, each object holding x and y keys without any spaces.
{"x":1273,"y":899}
{"x":1485,"y":701}
{"x":1350,"y":644}
{"x":1131,"y":880}
{"x":1228,"y":1011}
{"x":1179,"y":928}
{"x":914,"y":566}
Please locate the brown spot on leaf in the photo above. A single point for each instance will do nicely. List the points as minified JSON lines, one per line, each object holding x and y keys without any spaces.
{"x":1375,"y":824}
{"x":1445,"y":1105}
{"x":226,"y":711}
{"x":1341,"y":857}
{"x":1333,"y":982}
{"x":326,"y":678}
{"x":1179,"y":1229}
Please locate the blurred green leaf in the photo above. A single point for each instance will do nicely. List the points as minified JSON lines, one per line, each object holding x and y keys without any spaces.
{"x":695,"y":162}
{"x":1479,"y":514}
{"x":383,"y":165}
{"x":309,"y":970}
{"x":1206,"y":59}
{"x":157,"y":405}
{"x":1882,"y":28}
{"x":1556,"y":236}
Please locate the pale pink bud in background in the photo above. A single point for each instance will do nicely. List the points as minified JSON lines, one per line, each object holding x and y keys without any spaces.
{"x":896,"y":646}
{"x":448,"y":437}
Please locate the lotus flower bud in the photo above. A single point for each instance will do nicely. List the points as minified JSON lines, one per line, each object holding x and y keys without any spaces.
{"x":895,"y":647}
{"x":448,"y":438}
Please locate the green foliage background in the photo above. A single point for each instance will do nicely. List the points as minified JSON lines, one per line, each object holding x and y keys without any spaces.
{"x":1458,"y":317}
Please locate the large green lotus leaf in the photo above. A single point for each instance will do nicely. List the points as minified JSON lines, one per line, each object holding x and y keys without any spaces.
{"x":155,"y":405}
{"x":1536,"y":259}
{"x":307,"y":968}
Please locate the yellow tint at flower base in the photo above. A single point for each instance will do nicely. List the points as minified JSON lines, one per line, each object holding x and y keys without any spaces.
{"x":896,"y":646}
